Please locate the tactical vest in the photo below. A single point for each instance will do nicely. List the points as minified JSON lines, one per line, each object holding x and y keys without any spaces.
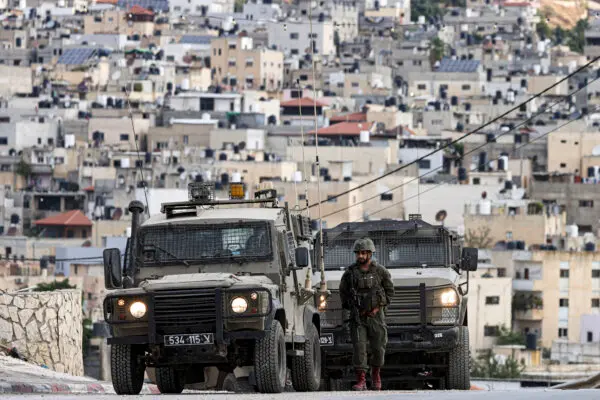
{"x":369,"y":288}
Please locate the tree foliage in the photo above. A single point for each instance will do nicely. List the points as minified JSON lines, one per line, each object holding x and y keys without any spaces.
{"x":507,"y":336}
{"x":427,"y":8}
{"x":487,"y":365}
{"x":437,"y":50}
{"x":52,"y":286}
{"x":479,"y":238}
{"x":23,"y":168}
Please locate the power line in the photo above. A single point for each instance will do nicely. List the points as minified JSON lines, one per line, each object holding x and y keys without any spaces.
{"x":503,"y":115}
{"x":524,"y":122}
{"x":474,"y":169}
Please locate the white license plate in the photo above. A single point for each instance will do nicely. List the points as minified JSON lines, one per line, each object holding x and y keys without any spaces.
{"x":193,"y":339}
{"x":327,"y":339}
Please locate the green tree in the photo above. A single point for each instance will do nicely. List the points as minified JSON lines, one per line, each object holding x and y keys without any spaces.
{"x":543,"y":30}
{"x":427,"y":8}
{"x":487,"y":365}
{"x":437,"y":50}
{"x":239,"y":6}
{"x":24,"y":169}
{"x":336,"y":42}
{"x":576,"y":36}
{"x":507,"y":336}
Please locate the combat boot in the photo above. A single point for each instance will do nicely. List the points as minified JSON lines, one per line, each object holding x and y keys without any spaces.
{"x":376,"y":378}
{"x":361,"y":383}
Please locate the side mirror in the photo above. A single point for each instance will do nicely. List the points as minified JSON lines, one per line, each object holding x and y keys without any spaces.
{"x":113,"y":277}
{"x":302,"y":257}
{"x":468,"y":259}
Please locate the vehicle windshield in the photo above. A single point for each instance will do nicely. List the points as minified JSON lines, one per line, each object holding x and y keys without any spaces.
{"x":205,"y":244}
{"x":393,"y":250}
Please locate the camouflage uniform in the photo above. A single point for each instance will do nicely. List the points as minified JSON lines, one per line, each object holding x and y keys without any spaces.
{"x":375,"y":290}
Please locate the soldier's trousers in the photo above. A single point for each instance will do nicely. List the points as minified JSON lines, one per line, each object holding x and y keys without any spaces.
{"x":370,"y":334}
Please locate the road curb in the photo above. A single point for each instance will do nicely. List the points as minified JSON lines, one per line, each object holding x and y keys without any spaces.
{"x":67,"y":388}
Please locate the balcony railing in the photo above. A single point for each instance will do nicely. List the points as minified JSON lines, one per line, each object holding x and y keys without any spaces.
{"x":535,"y":314}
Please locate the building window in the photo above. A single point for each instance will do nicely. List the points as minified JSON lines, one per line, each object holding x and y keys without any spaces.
{"x":387,"y":196}
{"x":563,"y":165}
{"x":421,"y":86}
{"x":303,"y":77}
{"x":501,"y":272}
{"x":596,"y":273}
{"x":492,"y":300}
{"x":207,"y":104}
{"x":424,"y":164}
{"x":586,"y":203}
{"x":590,"y":337}
{"x":231,"y":63}
{"x":4,"y":141}
{"x":563,"y":332}
{"x":186,"y":139}
{"x":595,"y":303}
{"x":466,"y":87}
{"x":219,"y":51}
{"x":231,"y":46}
{"x":331,"y":199}
{"x":354,"y":84}
{"x":294,"y":52}
{"x":249,"y":63}
{"x":490,"y":331}
{"x":302,"y":196}
{"x":124,"y":137}
{"x":564,"y":273}
{"x":563,"y":302}
{"x":476,"y":181}
{"x":294,"y":36}
{"x":509,"y":235}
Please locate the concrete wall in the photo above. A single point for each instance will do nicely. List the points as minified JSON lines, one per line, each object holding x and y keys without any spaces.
{"x":46,"y":327}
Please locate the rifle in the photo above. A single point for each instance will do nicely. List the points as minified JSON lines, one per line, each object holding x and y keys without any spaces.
{"x":354,"y":304}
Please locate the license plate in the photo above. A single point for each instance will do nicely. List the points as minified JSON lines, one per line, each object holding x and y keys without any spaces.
{"x":327,"y":339}
{"x":193,"y":339}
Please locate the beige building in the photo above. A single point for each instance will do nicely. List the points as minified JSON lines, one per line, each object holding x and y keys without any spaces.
{"x":117,"y":131}
{"x":236,"y":63}
{"x":135,"y":21}
{"x":573,"y":151}
{"x":552,"y":290}
{"x":180,"y":134}
{"x":513,"y":220}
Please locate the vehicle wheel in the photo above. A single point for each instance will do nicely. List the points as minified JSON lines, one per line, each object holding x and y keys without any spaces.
{"x":237,"y":385}
{"x":270,"y":364}
{"x":169,"y":380}
{"x":127,"y":368}
{"x":306,"y":369}
{"x":458,"y":376}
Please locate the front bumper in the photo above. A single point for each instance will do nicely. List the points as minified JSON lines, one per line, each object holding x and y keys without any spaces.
{"x":400,"y":339}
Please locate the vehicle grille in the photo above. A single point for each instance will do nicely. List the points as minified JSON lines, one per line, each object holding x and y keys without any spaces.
{"x":405,"y":307}
{"x":332,"y":316}
{"x":185,"y":311}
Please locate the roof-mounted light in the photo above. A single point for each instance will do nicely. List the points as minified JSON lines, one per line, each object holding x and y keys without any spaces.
{"x":201,"y":191}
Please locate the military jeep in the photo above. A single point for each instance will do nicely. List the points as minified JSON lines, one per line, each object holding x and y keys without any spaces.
{"x":428,"y":337}
{"x":212,"y":285}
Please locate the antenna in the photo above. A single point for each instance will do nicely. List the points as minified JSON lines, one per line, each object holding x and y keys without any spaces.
{"x":305,"y":175}
{"x":321,"y":247}
{"x":418,"y":184}
{"x":137,"y":149}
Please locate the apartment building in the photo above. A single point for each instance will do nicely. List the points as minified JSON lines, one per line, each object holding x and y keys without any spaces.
{"x":135,"y":21}
{"x":292,"y":37}
{"x":236,"y":63}
{"x":553,"y":290}
{"x":574,"y":151}
{"x":514,"y":220}
{"x":461,"y":78}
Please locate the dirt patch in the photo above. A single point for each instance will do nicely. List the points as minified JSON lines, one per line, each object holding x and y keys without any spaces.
{"x":563,"y":13}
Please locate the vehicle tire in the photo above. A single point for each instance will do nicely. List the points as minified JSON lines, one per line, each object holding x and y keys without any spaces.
{"x":270,"y":360}
{"x":169,"y":380}
{"x":458,"y":376}
{"x":306,"y":369}
{"x":127,"y":368}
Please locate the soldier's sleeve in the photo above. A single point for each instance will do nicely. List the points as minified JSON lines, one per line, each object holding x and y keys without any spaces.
{"x":345,"y":291}
{"x":388,"y":284}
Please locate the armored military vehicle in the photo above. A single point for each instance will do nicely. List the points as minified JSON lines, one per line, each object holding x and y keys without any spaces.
{"x":428,"y":338}
{"x":213,"y":284}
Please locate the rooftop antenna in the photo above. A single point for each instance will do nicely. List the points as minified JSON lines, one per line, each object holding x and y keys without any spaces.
{"x":323,"y":288}
{"x":304,"y":173}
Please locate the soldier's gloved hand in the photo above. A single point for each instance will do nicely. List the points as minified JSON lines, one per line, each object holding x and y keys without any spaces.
{"x":374,"y":312}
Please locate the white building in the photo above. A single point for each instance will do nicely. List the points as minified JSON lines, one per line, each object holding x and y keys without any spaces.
{"x":415,"y":148}
{"x":37,"y":131}
{"x":201,"y":7}
{"x":292,"y":37}
{"x":204,"y":101}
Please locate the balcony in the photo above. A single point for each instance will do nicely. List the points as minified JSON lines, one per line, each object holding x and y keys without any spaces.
{"x":533,"y":314}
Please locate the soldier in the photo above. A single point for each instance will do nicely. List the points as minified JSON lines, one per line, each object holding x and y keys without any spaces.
{"x":366,"y":289}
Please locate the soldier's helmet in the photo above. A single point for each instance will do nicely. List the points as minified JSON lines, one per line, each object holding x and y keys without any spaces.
{"x":364,"y":244}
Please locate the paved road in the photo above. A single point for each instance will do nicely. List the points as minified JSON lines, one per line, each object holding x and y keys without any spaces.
{"x":528,"y":394}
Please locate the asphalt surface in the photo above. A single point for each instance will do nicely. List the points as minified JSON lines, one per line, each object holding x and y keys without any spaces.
{"x":526,"y":394}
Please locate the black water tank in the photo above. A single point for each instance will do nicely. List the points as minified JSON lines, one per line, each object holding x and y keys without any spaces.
{"x":511,"y":245}
{"x":508,"y":185}
{"x":524,"y":83}
{"x":467,"y":106}
{"x":590,"y":246}
{"x":481,"y":167}
{"x":199,"y":178}
{"x":223,"y":157}
{"x":460,"y":127}
{"x":490,"y":138}
{"x":489,"y":75}
{"x":454,"y":100}
{"x":531,"y":341}
{"x":224,"y":179}
{"x":323,"y":171}
{"x":148,"y":158}
{"x":520,"y":245}
{"x":591,"y":172}
{"x":462,"y":174}
{"x":209,"y":153}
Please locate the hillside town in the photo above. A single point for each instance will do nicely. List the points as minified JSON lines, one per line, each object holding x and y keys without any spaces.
{"x":482,"y":116}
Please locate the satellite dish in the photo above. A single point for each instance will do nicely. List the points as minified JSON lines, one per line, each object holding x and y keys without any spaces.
{"x":441,"y":215}
{"x":116,"y":75}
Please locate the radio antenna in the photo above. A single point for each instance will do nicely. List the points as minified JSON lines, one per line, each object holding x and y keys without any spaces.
{"x":323,"y":288}
{"x":304,"y":173}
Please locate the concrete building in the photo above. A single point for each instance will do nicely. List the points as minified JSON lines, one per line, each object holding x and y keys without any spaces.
{"x":461,"y":78}
{"x":200,"y":7}
{"x":206,"y":102}
{"x":293,"y":37}
{"x":574,"y":151}
{"x":237,"y":64}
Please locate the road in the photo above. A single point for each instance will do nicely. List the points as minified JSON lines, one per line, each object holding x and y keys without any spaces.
{"x":527,"y":394}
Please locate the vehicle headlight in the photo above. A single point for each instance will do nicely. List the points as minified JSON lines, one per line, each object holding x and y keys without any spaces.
{"x":322,"y":303}
{"x":449,"y":297}
{"x":239,"y":305}
{"x":137,"y":309}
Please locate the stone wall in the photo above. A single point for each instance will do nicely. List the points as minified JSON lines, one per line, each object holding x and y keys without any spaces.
{"x":46,"y":327}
